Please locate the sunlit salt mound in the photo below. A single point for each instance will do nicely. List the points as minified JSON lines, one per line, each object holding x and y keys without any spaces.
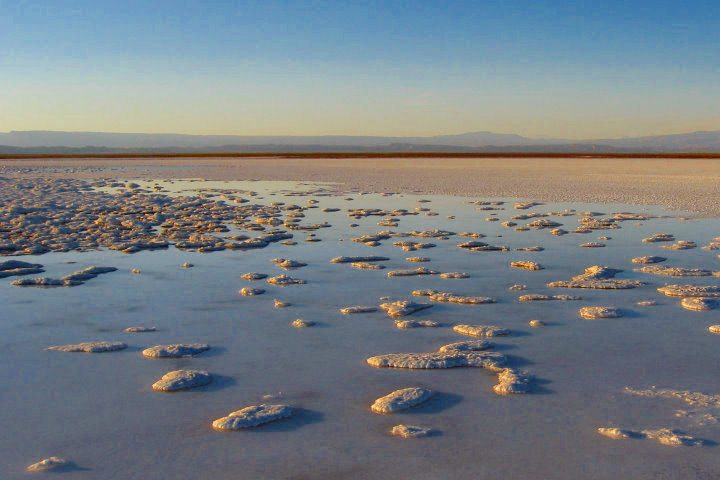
{"x":676,"y":271}
{"x":526,"y":265}
{"x":408,"y":324}
{"x":493,"y":361}
{"x":450,"y":275}
{"x":481,"y":330}
{"x":403,"y":307}
{"x":401,"y":400}
{"x":538,"y":297}
{"x":594,"y":313}
{"x":410,"y":431}
{"x":709,"y":291}
{"x":140,"y":329}
{"x":699,"y":304}
{"x":357,"y":309}
{"x":252,"y":416}
{"x":467,"y":346}
{"x":90,"y":347}
{"x":664,"y":436}
{"x":597,"y":277}
{"x":251,"y":292}
{"x":177,"y":350}
{"x":14,"y":267}
{"x":50,"y":464}
{"x":512,"y":382}
{"x":182,"y":380}
{"x":253,"y":276}
{"x":648,"y":259}
{"x":445,"y":297}
{"x":287,"y":263}
{"x":412,"y":273}
{"x":283,"y":280}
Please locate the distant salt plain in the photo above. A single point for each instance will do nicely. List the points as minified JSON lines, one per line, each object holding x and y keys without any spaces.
{"x":100,"y":411}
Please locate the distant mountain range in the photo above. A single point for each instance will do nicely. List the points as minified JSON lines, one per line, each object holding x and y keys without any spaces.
{"x":19,"y":142}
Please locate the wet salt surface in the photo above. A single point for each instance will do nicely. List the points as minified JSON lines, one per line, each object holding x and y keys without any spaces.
{"x":100,"y":411}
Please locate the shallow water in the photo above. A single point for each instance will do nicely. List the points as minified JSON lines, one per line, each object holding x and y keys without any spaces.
{"x":99,"y":410}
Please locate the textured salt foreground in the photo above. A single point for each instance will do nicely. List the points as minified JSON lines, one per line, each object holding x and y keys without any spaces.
{"x":517,"y":398}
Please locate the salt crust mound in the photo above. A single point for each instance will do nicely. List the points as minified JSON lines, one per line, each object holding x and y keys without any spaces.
{"x":177,"y":350}
{"x":526,"y":265}
{"x":412,"y":273}
{"x":593,"y":313}
{"x":467,"y":346}
{"x":481,"y":330}
{"x":251,"y":292}
{"x":90,"y":347}
{"x":699,"y":304}
{"x":357,"y":309}
{"x":402,"y":399}
{"x":48,"y":465}
{"x":537,"y":297}
{"x":597,"y":277}
{"x":252,"y":416}
{"x":410,"y":431}
{"x":709,"y":291}
{"x":675,"y":271}
{"x":402,"y":308}
{"x":182,"y":380}
{"x":408,"y":324}
{"x":664,"y":436}
{"x":284,"y":280}
{"x":512,"y":382}
{"x":493,"y":361}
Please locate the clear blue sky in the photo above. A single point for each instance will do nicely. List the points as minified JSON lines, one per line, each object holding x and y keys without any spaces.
{"x":538,"y":68}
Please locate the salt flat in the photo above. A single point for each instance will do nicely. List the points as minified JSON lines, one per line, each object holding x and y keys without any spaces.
{"x":98,"y":411}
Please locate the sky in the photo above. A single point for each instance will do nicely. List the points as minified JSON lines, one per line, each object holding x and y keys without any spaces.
{"x":551,"y":69}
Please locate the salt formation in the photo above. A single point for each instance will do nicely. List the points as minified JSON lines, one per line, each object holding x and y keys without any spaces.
{"x":280,"y":304}
{"x":178,"y":350}
{"x":454,"y":275}
{"x":250,"y":292}
{"x":367,"y":266}
{"x":538,"y":297}
{"x":402,"y":308}
{"x":695,"y":399}
{"x":187,"y":265}
{"x":709,"y":291}
{"x":467,"y":346}
{"x":410,"y":431}
{"x":253,"y":276}
{"x":594,"y":313}
{"x":140,"y":329}
{"x":681,"y":245}
{"x":74,"y":279}
{"x":252,"y":416}
{"x":49,"y":464}
{"x":284,"y":280}
{"x":597,"y":277}
{"x":526,"y":265}
{"x":646,"y":303}
{"x":511,"y":381}
{"x":699,"y":304}
{"x":648,"y":259}
{"x":402,"y":399}
{"x":490,"y":360}
{"x":671,"y":438}
{"x":659,"y":237}
{"x":409,"y":273}
{"x":714,"y":329}
{"x":300,"y":323}
{"x":481,"y":330}
{"x":182,"y":380}
{"x":616,"y":433}
{"x":517,"y":287}
{"x":90,"y":347}
{"x":407,"y":324}
{"x":13,"y":267}
{"x":357,"y":309}
{"x":288,"y":264}
{"x":445,"y":297}
{"x":536,"y":323}
{"x":675,"y":271}
{"x":475,"y":246}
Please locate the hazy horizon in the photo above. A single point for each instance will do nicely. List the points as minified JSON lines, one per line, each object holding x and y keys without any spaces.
{"x":537,"y":69}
